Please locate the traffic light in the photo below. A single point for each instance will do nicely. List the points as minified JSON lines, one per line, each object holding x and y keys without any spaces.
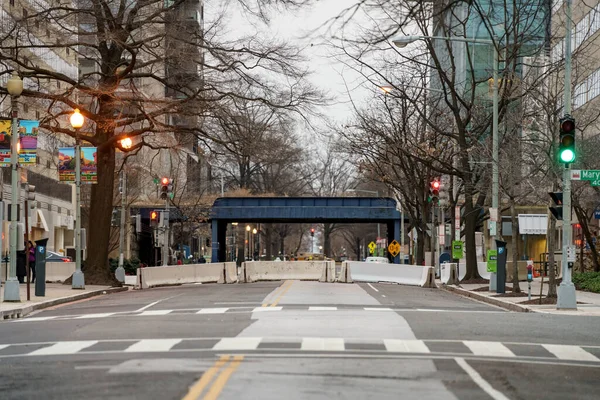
{"x":164,"y":188}
{"x":312,"y":231}
{"x":154,"y":218}
{"x":557,"y":210}
{"x":30,"y":191}
{"x":115,"y":218}
{"x":566,"y":146}
{"x":434,"y":190}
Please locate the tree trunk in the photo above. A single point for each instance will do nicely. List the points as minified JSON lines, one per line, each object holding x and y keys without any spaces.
{"x":585,"y":227}
{"x":420,"y":251}
{"x":357,"y":244}
{"x":470,"y":245}
{"x":241,"y":244}
{"x":269,"y":241}
{"x":515,"y":246}
{"x":97,"y":269}
{"x":327,"y":229}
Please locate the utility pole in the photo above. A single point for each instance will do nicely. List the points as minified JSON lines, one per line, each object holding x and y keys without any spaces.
{"x":120,"y":272}
{"x":566,"y":290}
{"x":166,"y":234}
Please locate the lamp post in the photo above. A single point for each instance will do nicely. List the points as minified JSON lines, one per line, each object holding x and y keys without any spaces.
{"x":77,"y":121}
{"x":14,"y":87}
{"x":248,"y":240}
{"x":126,"y":143}
{"x":254,"y":231}
{"x":402,"y":42}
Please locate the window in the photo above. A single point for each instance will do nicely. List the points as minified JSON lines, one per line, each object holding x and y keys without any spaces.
{"x":25,"y":108}
{"x":11,"y":2}
{"x":48,"y":164}
{"x":25,"y":13}
{"x":37,"y":115}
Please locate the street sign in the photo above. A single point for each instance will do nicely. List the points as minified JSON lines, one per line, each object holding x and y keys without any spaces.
{"x":457,"y":222}
{"x":575,"y":174}
{"x":492,"y":260}
{"x":597,"y":214}
{"x":372,"y":247}
{"x":394,"y":248}
{"x":457,"y":249}
{"x":571,"y":253}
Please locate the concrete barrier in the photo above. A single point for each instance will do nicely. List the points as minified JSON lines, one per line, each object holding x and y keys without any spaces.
{"x":253,"y":271}
{"x":481,"y":268}
{"x":190,"y":273}
{"x":449,"y":276}
{"x":59,"y":271}
{"x":415,"y":275}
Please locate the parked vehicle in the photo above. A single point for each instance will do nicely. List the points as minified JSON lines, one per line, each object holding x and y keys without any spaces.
{"x":55,"y":257}
{"x":383,"y":260}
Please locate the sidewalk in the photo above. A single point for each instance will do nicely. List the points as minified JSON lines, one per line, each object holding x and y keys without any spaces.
{"x":590,"y":306}
{"x":56,"y":293}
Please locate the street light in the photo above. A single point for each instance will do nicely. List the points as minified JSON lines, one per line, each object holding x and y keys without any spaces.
{"x":77,"y":121}
{"x":14,"y":86}
{"x":403,"y":41}
{"x":126,"y":143}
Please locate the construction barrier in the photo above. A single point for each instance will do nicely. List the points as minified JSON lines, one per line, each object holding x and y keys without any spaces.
{"x":449,"y":275}
{"x":190,"y":273}
{"x":253,"y":271}
{"x":59,"y":271}
{"x":415,"y":275}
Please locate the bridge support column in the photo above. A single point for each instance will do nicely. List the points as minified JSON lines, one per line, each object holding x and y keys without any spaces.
{"x":219,"y":241}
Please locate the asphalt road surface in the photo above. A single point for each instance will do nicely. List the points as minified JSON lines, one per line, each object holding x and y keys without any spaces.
{"x":296,"y":340}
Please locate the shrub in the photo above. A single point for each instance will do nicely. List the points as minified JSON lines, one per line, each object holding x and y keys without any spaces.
{"x":589,"y":281}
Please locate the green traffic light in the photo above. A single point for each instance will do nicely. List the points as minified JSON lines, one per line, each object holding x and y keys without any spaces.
{"x":567,"y":156}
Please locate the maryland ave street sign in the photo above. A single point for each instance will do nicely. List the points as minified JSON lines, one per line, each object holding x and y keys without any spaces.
{"x":586,"y":175}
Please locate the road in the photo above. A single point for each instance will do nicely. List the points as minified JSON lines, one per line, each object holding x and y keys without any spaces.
{"x":296,"y":340}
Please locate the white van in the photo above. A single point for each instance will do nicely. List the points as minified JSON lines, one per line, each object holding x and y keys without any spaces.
{"x":383,"y":260}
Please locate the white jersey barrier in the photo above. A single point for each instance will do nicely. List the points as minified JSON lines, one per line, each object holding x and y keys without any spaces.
{"x":253,"y":271}
{"x":415,"y":275}
{"x":481,"y":268}
{"x":449,"y":275}
{"x":59,"y":271}
{"x":190,"y":273}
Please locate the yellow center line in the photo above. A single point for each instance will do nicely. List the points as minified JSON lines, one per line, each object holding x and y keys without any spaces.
{"x":197,"y":389}
{"x":282,"y":294}
{"x":219,"y":384}
{"x":275,"y":293}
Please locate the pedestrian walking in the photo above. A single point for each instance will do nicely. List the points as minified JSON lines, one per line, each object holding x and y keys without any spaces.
{"x":32,"y":260}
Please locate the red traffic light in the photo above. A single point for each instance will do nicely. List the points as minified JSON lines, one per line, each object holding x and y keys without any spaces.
{"x":154,"y":215}
{"x":435,"y":184}
{"x":165,"y":181}
{"x":312,"y":230}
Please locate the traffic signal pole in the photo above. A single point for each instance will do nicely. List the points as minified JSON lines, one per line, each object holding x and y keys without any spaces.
{"x":566,"y":291}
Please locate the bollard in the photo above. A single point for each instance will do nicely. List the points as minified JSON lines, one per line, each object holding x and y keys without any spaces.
{"x":40,"y":267}
{"x":529,"y":277}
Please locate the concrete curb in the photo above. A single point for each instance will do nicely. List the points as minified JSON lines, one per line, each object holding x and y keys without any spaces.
{"x":25,"y":310}
{"x":485,"y":299}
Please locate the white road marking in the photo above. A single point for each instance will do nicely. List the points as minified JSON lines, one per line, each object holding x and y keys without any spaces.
{"x":3,"y":346}
{"x":322,"y":308}
{"x":330,"y":344}
{"x":156,"y":302}
{"x":151,"y":345}
{"x":35,"y":319}
{"x":492,"y":349}
{"x":63,"y":348}
{"x":148,"y":306}
{"x":405,"y":346}
{"x":213,"y":311}
{"x":155,"y":312}
{"x":237,"y":343}
{"x":99,"y":315}
{"x":372,"y":287}
{"x":263,"y":309}
{"x":429,"y":309}
{"x":383,"y":295}
{"x":482,"y":383}
{"x":564,"y":352}
{"x":378,"y":309}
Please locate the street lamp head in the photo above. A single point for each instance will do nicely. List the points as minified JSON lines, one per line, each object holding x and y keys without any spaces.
{"x":77,"y":119}
{"x":14,"y":86}
{"x":403,"y":41}
{"x":254,"y":231}
{"x":248,"y":228}
{"x":126,"y":143}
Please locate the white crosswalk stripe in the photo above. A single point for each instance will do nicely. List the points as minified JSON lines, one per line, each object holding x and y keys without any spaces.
{"x":237,"y":343}
{"x":264,"y":309}
{"x":3,"y":346}
{"x":378,"y":309}
{"x":329,"y":344}
{"x":155,"y":312}
{"x":491,"y":349}
{"x":36,"y":319}
{"x":63,"y":348}
{"x":213,"y":311}
{"x":322,"y":308}
{"x":99,"y":315}
{"x":405,"y":346}
{"x":574,"y":353}
{"x":152,"y":345}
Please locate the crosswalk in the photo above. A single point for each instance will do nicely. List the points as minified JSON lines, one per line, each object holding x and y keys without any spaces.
{"x":230,"y":310}
{"x":461,"y":348}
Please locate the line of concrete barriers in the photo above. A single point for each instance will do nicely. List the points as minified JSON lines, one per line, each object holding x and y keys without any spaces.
{"x":323,"y":271}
